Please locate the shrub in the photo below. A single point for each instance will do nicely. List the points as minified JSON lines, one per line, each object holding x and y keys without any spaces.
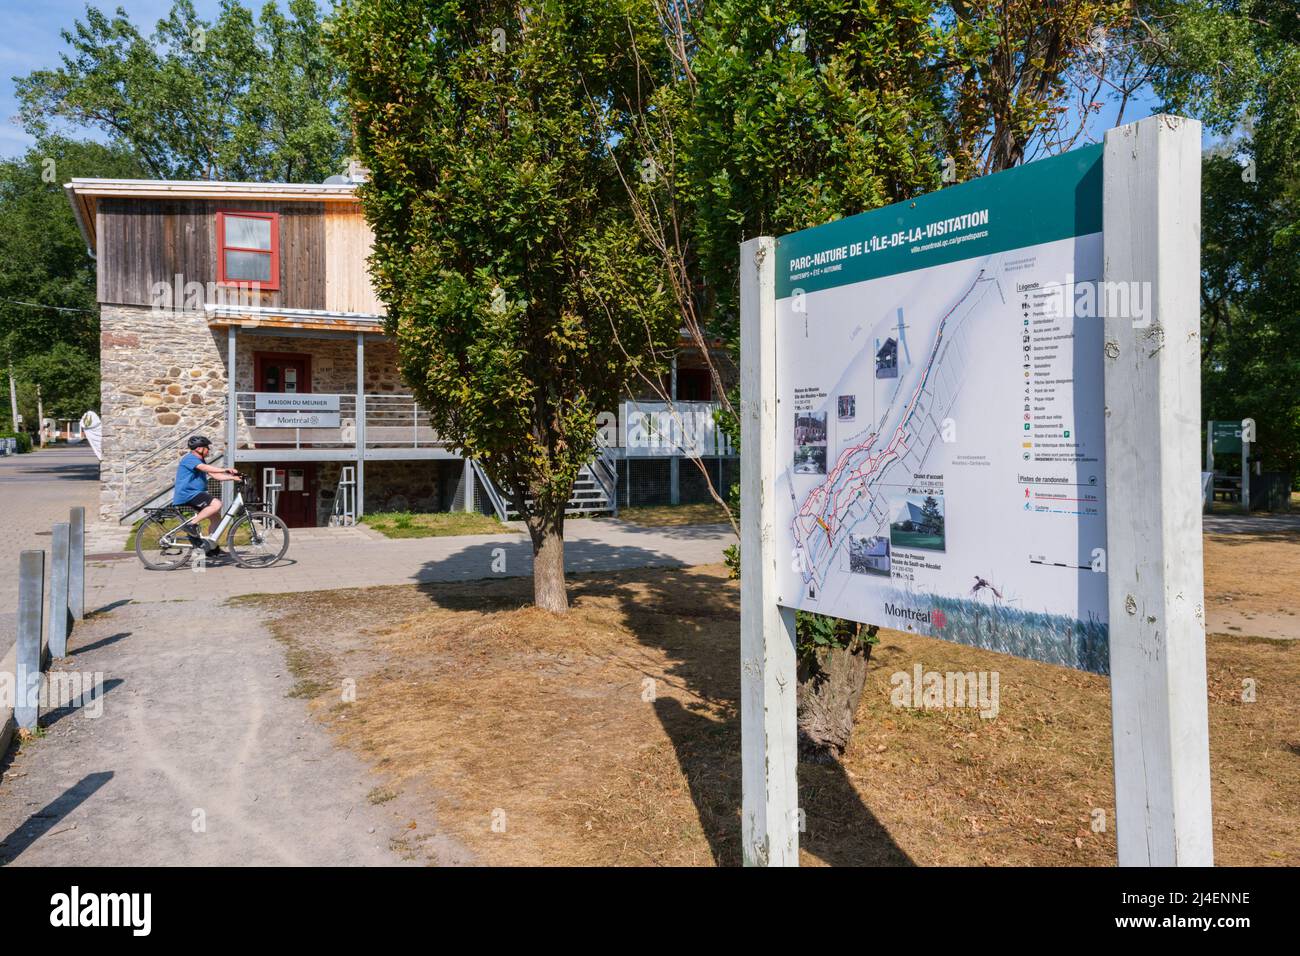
{"x":24,"y":440}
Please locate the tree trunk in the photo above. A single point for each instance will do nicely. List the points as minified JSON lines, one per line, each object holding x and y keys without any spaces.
{"x":830,"y":687}
{"x":547,"y":532}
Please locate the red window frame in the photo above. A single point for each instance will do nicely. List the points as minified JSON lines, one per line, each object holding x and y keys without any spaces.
{"x":274,"y":219}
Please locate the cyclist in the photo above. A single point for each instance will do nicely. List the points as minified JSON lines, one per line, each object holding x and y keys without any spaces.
{"x":192,"y":488}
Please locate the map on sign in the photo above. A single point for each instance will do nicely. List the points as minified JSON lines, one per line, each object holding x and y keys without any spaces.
{"x":940,"y":427}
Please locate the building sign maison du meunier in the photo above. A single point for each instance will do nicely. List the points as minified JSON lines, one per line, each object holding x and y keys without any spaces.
{"x":296,"y":410}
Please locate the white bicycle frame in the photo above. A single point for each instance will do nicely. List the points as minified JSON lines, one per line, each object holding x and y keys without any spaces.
{"x":233,"y":512}
{"x":231,"y":515}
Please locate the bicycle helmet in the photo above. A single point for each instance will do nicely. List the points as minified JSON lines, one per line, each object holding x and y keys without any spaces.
{"x":199,"y":441}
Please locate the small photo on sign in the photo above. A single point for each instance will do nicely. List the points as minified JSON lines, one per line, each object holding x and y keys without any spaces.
{"x":887,"y":359}
{"x":810,"y":443}
{"x":847,"y":408}
{"x":918,"y":523}
{"x":869,"y":555}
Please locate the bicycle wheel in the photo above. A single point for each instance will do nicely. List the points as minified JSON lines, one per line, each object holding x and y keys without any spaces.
{"x":159,"y":546}
{"x":258,"y":540}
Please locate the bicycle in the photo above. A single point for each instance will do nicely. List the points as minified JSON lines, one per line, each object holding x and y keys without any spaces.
{"x":167,"y":538}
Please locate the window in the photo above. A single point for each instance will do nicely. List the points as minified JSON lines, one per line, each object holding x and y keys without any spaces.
{"x":694,"y":385}
{"x":248,"y":245}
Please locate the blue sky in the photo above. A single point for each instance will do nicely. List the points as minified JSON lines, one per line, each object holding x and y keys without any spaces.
{"x":30,"y":41}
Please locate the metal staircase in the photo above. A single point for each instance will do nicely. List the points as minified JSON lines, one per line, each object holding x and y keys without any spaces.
{"x":594,"y":492}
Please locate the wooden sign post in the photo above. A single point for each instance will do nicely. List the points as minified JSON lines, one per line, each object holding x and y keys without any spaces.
{"x":1159,"y":718}
{"x":770,"y":807}
{"x":1151,"y":242}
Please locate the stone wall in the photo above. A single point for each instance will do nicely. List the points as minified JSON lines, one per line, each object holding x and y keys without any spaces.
{"x":333,"y":362}
{"x":420,"y":486}
{"x":163,"y":377}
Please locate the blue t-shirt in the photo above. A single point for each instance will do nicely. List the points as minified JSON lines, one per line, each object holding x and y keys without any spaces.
{"x":189,"y":480}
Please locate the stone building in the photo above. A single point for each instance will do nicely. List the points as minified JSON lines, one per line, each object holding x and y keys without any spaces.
{"x":244,"y":311}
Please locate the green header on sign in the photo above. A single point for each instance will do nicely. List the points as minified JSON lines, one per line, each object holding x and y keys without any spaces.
{"x":1226,"y":437}
{"x":1045,"y":201}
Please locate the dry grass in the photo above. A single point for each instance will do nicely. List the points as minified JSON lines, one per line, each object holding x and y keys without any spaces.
{"x":479,"y":704}
{"x":1250,"y":584}
{"x":674,"y":516}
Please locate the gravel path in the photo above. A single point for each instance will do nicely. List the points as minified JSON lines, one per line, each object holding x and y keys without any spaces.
{"x":197,"y":757}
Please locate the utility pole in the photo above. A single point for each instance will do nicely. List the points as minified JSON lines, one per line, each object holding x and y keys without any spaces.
{"x":13,"y":400}
{"x":40,"y":417}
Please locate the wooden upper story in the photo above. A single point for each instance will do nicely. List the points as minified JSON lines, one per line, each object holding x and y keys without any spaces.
{"x":276,"y":245}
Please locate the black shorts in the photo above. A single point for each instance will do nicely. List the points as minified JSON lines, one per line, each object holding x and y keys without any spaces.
{"x":200,"y":501}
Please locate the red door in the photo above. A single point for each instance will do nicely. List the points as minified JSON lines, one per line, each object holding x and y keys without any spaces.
{"x":297,"y":503}
{"x":289,"y":372}
{"x":282,"y":372}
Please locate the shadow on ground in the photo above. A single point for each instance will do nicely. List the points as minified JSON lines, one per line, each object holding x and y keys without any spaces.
{"x":694,"y":619}
{"x":48,"y":817}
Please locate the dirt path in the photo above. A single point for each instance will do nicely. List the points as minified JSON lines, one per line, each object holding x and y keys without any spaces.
{"x":197,"y":757}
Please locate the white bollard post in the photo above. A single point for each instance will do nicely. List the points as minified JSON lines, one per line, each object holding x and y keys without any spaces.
{"x":77,"y":563}
{"x":27,"y":657}
{"x":56,"y":619}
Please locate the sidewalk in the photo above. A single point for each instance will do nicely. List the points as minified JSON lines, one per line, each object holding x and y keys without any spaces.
{"x":325,"y":559}
{"x":197,"y":756}
{"x":37,"y":490}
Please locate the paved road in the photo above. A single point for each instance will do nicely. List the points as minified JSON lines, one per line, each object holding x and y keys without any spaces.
{"x":1251,"y":524}
{"x":37,"y":490}
{"x":323,"y":559}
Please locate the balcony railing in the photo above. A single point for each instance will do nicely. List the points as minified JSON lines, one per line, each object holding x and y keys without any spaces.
{"x":644,"y":428}
{"x":657,"y":429}
{"x":391,"y":421}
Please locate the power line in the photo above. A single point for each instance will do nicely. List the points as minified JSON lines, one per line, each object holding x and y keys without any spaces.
{"x":56,"y":308}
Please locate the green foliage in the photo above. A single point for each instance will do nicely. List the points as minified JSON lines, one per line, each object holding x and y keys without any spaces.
{"x":810,"y":110}
{"x":404,"y":524}
{"x":49,"y":319}
{"x":23,"y":439}
{"x":819,"y":632}
{"x":232,"y":99}
{"x":1236,"y":65}
{"x":519,"y":292}
{"x":69,"y":380}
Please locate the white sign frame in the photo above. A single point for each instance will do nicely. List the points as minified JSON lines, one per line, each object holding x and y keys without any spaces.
{"x":1160,"y":723}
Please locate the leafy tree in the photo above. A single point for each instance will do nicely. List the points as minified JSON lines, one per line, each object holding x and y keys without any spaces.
{"x":69,"y":380}
{"x":518,"y":289}
{"x":808,"y":110}
{"x":232,"y":99}
{"x":932,"y":514}
{"x":1235,"y":64}
{"x":49,"y":320}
